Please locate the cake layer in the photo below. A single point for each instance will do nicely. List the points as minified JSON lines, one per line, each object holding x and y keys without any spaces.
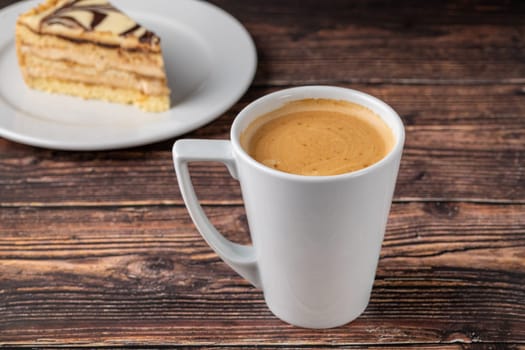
{"x":55,"y":48}
{"x":100,"y":92}
{"x":91,"y":20}
{"x":35,"y":66}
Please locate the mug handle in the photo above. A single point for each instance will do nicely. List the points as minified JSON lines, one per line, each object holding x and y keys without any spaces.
{"x":240,"y":258}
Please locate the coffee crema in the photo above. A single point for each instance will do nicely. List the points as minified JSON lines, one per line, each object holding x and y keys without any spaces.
{"x":318,"y":137}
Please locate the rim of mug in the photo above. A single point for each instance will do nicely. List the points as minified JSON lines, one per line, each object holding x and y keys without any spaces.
{"x":235,"y":131}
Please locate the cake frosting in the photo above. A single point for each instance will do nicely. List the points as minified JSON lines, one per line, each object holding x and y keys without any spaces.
{"x":73,"y":17}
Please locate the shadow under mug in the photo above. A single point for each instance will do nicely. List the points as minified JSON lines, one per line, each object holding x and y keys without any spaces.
{"x":316,"y":239}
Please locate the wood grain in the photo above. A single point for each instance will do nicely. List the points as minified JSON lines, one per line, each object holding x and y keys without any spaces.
{"x":449,"y":273}
{"x":96,"y":248}
{"x":412,"y":42}
{"x":453,"y":152}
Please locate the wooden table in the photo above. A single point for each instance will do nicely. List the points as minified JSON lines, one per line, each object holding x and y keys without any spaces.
{"x":97,"y":249}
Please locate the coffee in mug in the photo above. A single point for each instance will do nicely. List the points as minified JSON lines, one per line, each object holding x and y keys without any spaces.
{"x":318,"y":137}
{"x":316,"y":239}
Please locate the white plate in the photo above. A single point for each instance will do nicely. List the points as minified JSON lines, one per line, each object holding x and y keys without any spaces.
{"x":210,"y":60}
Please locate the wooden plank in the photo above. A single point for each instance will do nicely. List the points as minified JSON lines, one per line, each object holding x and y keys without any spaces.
{"x":463,"y":143}
{"x":422,"y":42}
{"x":450,"y":273}
{"x":363,"y":41}
{"x":462,"y":346}
{"x":145,"y":178}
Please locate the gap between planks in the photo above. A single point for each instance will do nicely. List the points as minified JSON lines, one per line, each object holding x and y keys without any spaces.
{"x":453,"y":344}
{"x":176,"y":203}
{"x":391,"y":81}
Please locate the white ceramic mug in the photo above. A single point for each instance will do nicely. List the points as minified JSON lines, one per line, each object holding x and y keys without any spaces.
{"x":316,"y":239}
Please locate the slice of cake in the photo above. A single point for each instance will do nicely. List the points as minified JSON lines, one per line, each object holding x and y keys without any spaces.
{"x":89,"y":48}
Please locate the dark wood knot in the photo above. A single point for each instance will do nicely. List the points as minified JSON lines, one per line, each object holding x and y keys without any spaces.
{"x":441,"y":209}
{"x":159,"y":263}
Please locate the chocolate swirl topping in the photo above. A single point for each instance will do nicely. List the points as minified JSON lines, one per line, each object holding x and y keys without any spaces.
{"x":93,"y":15}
